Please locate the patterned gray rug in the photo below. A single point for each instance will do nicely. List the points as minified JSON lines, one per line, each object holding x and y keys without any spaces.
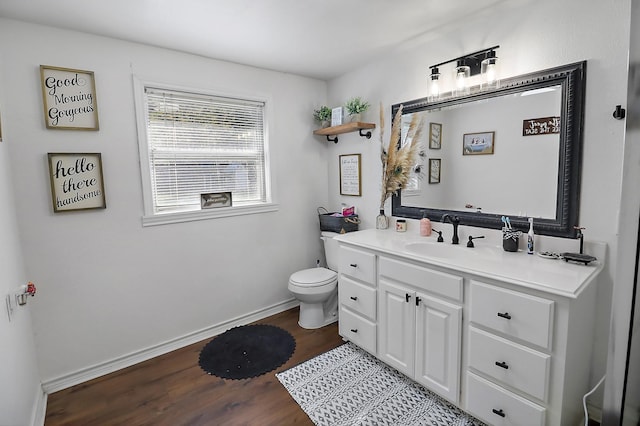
{"x":348,"y":386}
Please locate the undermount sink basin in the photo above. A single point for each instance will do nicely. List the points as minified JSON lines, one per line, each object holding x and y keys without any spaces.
{"x":444,"y":251}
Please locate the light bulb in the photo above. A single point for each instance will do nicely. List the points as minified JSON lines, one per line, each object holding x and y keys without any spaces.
{"x":462,"y":74}
{"x":489,"y":71}
{"x":434,"y":88}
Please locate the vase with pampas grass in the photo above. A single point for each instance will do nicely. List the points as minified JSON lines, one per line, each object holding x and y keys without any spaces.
{"x":397,"y":161}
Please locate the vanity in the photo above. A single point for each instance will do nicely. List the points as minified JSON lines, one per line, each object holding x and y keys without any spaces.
{"x":505,"y":336}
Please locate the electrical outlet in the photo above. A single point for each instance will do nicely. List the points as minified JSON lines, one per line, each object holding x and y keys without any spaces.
{"x":9,"y":304}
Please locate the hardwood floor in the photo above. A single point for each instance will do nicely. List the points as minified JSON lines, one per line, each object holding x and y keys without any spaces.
{"x":173,"y":390}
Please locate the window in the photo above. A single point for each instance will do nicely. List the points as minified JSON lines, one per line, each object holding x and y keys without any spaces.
{"x":197,"y":143}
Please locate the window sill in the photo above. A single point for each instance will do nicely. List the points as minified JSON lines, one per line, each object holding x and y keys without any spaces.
{"x":190,"y":216}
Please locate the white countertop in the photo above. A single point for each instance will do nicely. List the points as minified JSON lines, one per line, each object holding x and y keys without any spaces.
{"x":532,"y":271}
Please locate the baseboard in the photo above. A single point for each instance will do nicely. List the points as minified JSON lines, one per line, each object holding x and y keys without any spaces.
{"x":39,"y":408}
{"x":98,"y":370}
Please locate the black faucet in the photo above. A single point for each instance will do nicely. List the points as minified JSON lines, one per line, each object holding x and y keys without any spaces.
{"x":455,"y":221}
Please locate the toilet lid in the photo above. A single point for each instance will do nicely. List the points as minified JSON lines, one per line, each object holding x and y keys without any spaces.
{"x":313,"y":277}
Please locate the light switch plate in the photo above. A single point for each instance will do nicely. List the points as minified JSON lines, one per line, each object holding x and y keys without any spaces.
{"x":9,"y":307}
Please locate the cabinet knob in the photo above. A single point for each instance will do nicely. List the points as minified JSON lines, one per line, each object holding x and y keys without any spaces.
{"x":355,"y":330}
{"x":418,"y":300}
{"x":504,"y":315}
{"x":407,"y":296}
{"x":353,"y":265}
{"x":502,"y":364}
{"x":353,"y":298}
{"x":499,"y":412}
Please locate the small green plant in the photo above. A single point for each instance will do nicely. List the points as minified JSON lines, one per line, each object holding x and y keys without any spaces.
{"x":322,"y":114}
{"x":356,"y":106}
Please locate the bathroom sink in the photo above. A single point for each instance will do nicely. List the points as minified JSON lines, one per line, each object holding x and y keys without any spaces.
{"x":445,"y":251}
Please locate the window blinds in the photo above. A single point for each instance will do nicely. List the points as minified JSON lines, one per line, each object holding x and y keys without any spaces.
{"x":202,"y":144}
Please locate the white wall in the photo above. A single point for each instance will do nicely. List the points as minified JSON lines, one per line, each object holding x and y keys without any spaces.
{"x":532,"y":36}
{"x":20,"y":391}
{"x":108,"y":287}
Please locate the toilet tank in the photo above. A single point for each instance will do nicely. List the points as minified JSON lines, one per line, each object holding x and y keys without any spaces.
{"x":330,"y":249}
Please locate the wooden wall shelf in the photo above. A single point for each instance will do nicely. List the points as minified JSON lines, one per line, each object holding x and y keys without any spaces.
{"x":345,"y":128}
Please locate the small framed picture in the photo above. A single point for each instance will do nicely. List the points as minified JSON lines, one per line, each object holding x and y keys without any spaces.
{"x":478,"y":143}
{"x":350,"y":175}
{"x":69,"y":98}
{"x":434,"y":170}
{"x":215,"y":199}
{"x":76,"y":181}
{"x":435,"y":135}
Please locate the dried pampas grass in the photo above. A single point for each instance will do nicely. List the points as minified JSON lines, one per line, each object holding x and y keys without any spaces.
{"x":397,"y":164}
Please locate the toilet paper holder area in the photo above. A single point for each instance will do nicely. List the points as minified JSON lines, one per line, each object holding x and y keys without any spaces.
{"x":24,"y":292}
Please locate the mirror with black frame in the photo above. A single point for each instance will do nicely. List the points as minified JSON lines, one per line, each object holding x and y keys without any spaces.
{"x":513,"y":151}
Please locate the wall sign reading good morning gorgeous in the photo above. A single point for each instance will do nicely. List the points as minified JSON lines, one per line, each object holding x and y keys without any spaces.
{"x":69,"y":98}
{"x":76,"y":181}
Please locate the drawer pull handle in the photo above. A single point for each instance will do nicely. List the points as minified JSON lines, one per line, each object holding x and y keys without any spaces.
{"x":353,"y":265}
{"x":353,"y":298}
{"x":505,"y":315}
{"x":355,"y":330}
{"x":418,"y":300}
{"x":502,"y":364}
{"x":407,"y":296}
{"x":499,"y":412}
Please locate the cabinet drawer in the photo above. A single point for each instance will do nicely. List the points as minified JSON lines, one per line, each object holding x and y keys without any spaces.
{"x":357,"y":329}
{"x":425,"y":279}
{"x":515,"y":314}
{"x":357,"y":264}
{"x":499,"y":407}
{"x":515,"y":365}
{"x":361,"y":298}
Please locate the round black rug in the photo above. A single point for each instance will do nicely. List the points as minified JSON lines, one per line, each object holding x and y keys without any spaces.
{"x":247,"y":351}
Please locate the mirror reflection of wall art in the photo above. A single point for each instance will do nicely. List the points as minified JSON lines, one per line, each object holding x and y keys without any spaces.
{"x":478,"y":143}
{"x":69,"y":98}
{"x":76,"y":181}
{"x":540,"y":126}
{"x":434,"y":170}
{"x":435,"y":135}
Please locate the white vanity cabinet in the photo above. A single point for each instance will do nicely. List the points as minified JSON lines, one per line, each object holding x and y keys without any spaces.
{"x":506,"y":337}
{"x":357,"y":297}
{"x":529,"y":354}
{"x":419,"y":331}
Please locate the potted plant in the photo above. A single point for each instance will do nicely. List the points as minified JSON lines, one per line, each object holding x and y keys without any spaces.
{"x":323,"y":116}
{"x":355,"y":108}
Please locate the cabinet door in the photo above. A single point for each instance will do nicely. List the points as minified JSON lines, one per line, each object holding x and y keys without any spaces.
{"x":438,"y":334}
{"x":396,"y":327}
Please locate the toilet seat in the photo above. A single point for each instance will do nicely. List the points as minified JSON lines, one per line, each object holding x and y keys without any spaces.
{"x":313,"y":277}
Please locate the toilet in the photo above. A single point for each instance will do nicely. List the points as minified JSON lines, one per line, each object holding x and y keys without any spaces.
{"x":317,"y":288}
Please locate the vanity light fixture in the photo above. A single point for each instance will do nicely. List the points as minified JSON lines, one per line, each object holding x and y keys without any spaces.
{"x":482,"y":62}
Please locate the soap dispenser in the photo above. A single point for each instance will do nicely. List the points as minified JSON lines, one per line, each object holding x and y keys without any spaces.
{"x":530,"y":235}
{"x":425,"y":225}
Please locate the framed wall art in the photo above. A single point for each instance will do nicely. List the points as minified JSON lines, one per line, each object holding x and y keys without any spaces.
{"x":69,"y":98}
{"x":435,"y":135}
{"x":216,"y":199}
{"x":478,"y":143}
{"x":76,"y":181}
{"x":434,"y":170}
{"x":350,"y":180}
